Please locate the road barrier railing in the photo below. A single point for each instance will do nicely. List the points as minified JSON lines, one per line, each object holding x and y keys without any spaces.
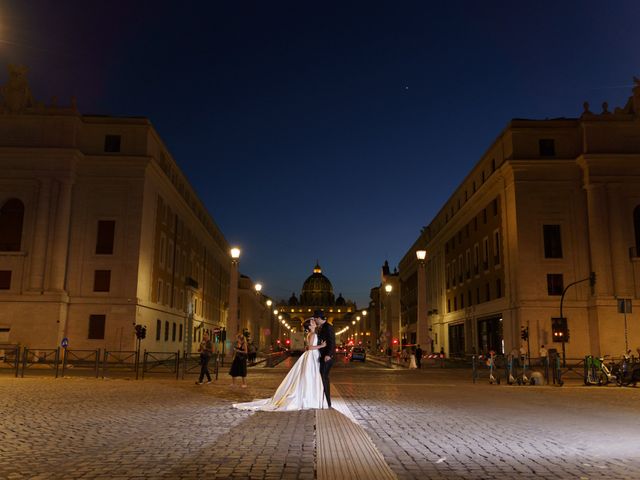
{"x":81,"y":361}
{"x":120,"y":361}
{"x":10,"y":358}
{"x":275,"y":358}
{"x":40,"y":359}
{"x":161,"y":362}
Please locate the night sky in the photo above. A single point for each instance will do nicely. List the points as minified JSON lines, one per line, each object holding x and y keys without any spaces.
{"x":322,"y":130}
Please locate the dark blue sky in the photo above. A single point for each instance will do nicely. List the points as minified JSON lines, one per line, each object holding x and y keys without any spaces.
{"x":325,"y":130}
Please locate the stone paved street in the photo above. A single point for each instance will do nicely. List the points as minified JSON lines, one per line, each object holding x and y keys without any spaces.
{"x":427,"y":424}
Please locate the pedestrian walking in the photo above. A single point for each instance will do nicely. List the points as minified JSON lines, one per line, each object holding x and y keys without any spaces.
{"x":239,"y":363}
{"x":205,"y":349}
{"x":418,"y":357}
{"x":253,"y":352}
{"x":412,"y":360}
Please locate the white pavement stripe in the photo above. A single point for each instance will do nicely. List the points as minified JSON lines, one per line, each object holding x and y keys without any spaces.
{"x":345,"y":451}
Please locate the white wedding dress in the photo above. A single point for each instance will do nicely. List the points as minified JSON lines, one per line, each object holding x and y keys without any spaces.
{"x":301,"y":389}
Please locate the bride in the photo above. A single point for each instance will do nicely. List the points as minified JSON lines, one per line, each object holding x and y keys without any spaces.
{"x":302,"y":387}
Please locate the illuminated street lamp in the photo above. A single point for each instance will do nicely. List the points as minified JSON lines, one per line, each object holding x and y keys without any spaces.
{"x":422,"y":334}
{"x":258,"y":287}
{"x":232,"y":319}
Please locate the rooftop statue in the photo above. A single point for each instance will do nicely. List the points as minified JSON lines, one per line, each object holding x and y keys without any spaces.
{"x":16,"y":94}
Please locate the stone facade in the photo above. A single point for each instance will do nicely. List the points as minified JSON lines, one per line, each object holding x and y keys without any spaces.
{"x":550,"y":202}
{"x":109,"y":234}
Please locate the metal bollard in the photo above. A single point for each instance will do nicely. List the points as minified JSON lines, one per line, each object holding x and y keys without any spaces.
{"x":474,"y":371}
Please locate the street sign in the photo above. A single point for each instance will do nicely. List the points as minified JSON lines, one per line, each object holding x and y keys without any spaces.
{"x":64,"y":343}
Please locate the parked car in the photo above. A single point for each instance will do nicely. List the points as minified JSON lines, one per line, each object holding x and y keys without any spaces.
{"x":357,"y":353}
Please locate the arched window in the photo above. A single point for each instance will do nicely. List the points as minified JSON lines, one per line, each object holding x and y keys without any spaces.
{"x":11,"y":216}
{"x":636,"y":225}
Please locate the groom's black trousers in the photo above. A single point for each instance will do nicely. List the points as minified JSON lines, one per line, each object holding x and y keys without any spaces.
{"x":325,"y":368}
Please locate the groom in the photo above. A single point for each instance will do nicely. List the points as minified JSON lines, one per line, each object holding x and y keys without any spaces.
{"x":328,"y":352}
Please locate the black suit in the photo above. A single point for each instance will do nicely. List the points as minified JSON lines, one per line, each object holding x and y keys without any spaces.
{"x":327,"y":334}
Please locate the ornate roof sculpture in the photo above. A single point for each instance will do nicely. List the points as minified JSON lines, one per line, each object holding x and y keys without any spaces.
{"x":293,"y":300}
{"x":631,"y":108}
{"x":317,"y":289}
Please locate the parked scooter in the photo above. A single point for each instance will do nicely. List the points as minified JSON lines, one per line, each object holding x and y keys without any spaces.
{"x":629,"y":373}
{"x":598,"y":372}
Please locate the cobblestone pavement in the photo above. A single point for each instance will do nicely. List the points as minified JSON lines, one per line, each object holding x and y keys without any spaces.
{"x":436,"y":424}
{"x":427,"y":424}
{"x":88,"y":428}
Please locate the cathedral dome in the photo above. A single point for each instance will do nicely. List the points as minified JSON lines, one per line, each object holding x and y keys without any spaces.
{"x":317,"y":289}
{"x":340,"y":301}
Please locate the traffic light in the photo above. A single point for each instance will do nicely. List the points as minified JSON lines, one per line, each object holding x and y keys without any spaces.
{"x":141,"y":332}
{"x":524,"y":333}
{"x":559,"y":330}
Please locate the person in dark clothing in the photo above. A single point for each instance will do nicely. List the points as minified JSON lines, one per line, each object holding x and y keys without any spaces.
{"x":418,"y":357}
{"x":205,"y":349}
{"x":327,"y":353}
{"x":239,"y":364}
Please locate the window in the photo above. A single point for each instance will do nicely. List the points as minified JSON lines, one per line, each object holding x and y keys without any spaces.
{"x":474,"y":187}
{"x":495,"y":206}
{"x":159,"y":292}
{"x":484,"y":216}
{"x":448,"y":305}
{"x":470,"y":298}
{"x":498,"y":288}
{"x":112,"y":143}
{"x":158,"y":330}
{"x":170,"y":256}
{"x":447,"y":268}
{"x":483,"y":176}
{"x":476,"y":258}
{"x":180,"y":334}
{"x":454,"y":272}
{"x":5,"y":279}
{"x":163,"y":243}
{"x":636,"y":226}
{"x":102,"y":280}
{"x":496,"y":247}
{"x":552,"y":241}
{"x":173,"y":332}
{"x":462,"y":300}
{"x":467,"y":263}
{"x":96,"y":327}
{"x":485,"y":253}
{"x":166,"y":331}
{"x":11,"y":217}
{"x":478,"y":295}
{"x":460,"y":268}
{"x":455,"y":304}
{"x":493,"y":165}
{"x":555,"y":284}
{"x":488,"y":292}
{"x":547,"y":147}
{"x":104,"y":239}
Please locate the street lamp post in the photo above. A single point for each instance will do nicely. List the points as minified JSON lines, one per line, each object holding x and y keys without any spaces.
{"x":232,"y":318}
{"x":269,"y":302}
{"x":388,"y":288}
{"x":421,"y":323}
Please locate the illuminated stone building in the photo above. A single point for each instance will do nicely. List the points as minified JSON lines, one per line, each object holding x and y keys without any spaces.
{"x":100,"y":230}
{"x":317,"y":294}
{"x":549,"y":202}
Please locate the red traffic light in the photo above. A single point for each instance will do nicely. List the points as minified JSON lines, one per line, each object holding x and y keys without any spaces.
{"x":287,"y":341}
{"x":395,"y":341}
